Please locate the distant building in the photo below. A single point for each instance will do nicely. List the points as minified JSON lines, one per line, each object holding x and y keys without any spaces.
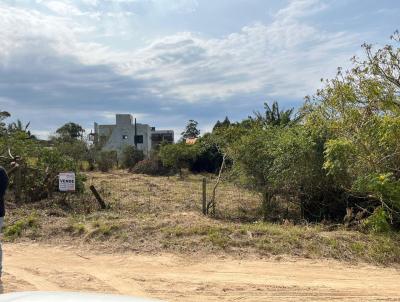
{"x":127,"y":132}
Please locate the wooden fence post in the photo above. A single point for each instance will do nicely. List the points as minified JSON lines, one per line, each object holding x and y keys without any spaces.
{"x":204,"y":196}
{"x":98,"y":197}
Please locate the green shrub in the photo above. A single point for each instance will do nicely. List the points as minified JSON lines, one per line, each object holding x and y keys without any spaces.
{"x":131,"y":156}
{"x":106,"y":160}
{"x":178,"y":156}
{"x":16,"y":229}
{"x":38,"y":177}
{"x":378,"y":221}
{"x":218,"y":238}
{"x":102,"y":229}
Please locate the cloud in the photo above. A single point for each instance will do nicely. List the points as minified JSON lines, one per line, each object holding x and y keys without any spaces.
{"x":50,"y":65}
{"x":300,"y":8}
{"x":268,"y":57}
{"x":90,"y":2}
{"x":110,"y":115}
{"x":180,"y":6}
{"x":158,"y":6}
{"x":41,"y":134}
{"x":62,"y":8}
{"x":187,"y":66}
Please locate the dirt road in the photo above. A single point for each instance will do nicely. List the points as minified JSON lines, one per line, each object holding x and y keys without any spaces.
{"x":172,"y":278}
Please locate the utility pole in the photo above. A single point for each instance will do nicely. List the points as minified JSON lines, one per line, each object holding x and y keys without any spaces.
{"x":135,"y":135}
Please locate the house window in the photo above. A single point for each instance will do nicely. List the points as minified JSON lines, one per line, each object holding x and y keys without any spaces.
{"x":124,"y":136}
{"x":139,"y":139}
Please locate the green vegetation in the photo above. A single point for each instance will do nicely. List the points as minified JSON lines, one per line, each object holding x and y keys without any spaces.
{"x":191,"y":130}
{"x":70,"y":131}
{"x":336,"y":159}
{"x":76,"y":227}
{"x":131,"y":156}
{"x":325,"y":179}
{"x":106,"y":160}
{"x":178,"y":156}
{"x":158,"y":214}
{"x":103,"y":229}
{"x":28,"y":225}
{"x":305,"y":241}
{"x":39,"y":164}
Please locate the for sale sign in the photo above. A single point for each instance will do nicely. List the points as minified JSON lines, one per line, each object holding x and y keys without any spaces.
{"x":66,"y":182}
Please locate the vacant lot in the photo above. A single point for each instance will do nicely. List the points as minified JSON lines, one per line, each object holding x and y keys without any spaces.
{"x":183,"y":278}
{"x":153,"y":241}
{"x":163,"y":214}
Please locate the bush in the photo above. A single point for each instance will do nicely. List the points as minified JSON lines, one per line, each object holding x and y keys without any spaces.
{"x":76,"y":149}
{"x":131,"y":156}
{"x":152,"y":166}
{"x":178,"y":156}
{"x":378,"y":221}
{"x":15,"y":230}
{"x":209,"y":157}
{"x":38,"y":175}
{"x":106,"y":160}
{"x":40,"y":162}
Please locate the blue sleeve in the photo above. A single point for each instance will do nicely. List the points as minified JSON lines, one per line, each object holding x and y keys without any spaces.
{"x":3,"y":181}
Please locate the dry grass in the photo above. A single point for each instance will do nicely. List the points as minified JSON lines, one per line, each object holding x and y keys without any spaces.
{"x":148,"y":194}
{"x":156,"y":214}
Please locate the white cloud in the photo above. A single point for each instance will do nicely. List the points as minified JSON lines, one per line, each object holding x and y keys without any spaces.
{"x":30,"y":31}
{"x":300,"y":8}
{"x":110,"y":116}
{"x":182,"y":6}
{"x":64,"y":8}
{"x":162,"y":6}
{"x":90,"y":2}
{"x":41,"y":134}
{"x":285,"y":57}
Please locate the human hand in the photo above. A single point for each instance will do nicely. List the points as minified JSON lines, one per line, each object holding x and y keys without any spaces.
{"x":14,"y":164}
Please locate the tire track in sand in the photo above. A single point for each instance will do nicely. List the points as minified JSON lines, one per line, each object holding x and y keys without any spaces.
{"x":173,"y":278}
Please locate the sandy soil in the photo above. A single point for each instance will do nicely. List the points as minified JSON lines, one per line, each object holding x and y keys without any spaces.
{"x":176,"y":278}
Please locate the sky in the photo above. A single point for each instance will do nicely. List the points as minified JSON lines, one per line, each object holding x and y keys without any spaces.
{"x":168,"y":61}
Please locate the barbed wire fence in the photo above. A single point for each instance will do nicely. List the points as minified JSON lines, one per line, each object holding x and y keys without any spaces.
{"x":146,"y":194}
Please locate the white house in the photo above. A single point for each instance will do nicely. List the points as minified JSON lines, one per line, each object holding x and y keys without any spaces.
{"x":127,"y":132}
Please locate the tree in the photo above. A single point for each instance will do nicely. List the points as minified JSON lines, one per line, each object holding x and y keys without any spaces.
{"x":191,"y":130}
{"x":131,"y":156}
{"x":383,"y":64}
{"x":217,"y":125}
{"x":225,"y":123}
{"x":273,"y":116}
{"x":214,"y":151}
{"x":178,"y":156}
{"x":275,"y":161}
{"x":70,"y":131}
{"x":74,"y":148}
{"x":18,"y":126}
{"x":3,"y":115}
{"x":280,"y":161}
{"x":360,"y":114}
{"x":209,"y":157}
{"x":69,"y":140}
{"x":38,"y":167}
